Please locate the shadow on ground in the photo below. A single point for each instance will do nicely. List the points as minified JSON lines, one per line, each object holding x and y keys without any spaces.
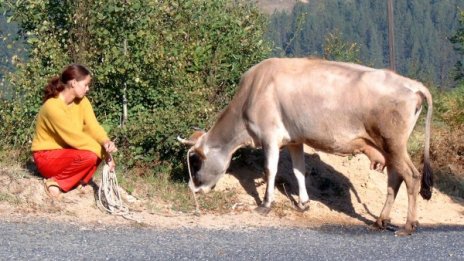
{"x":324,"y":184}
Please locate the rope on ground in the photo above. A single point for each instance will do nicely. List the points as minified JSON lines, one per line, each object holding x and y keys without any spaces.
{"x":109,"y":198}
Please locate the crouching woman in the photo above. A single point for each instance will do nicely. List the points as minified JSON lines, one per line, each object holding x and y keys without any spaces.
{"x":69,"y":143}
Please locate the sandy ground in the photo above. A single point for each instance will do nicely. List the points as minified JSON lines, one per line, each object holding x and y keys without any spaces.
{"x":342,"y":190}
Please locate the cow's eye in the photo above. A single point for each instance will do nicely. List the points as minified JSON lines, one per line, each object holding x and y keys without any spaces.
{"x":195,"y":163}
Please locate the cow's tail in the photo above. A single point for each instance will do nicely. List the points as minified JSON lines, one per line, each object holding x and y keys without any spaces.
{"x":427,"y":177}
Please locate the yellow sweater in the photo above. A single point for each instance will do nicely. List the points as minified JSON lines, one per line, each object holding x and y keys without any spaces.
{"x":68,"y":126}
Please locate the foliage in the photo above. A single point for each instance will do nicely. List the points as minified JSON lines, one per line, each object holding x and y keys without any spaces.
{"x":449,"y":106}
{"x":447,"y":153}
{"x":335,"y":48}
{"x":7,"y":47}
{"x":458,"y":43}
{"x":447,"y":144}
{"x":422,"y":31}
{"x":176,"y":62}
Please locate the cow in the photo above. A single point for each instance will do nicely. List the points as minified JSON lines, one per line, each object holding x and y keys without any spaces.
{"x":335,"y":107}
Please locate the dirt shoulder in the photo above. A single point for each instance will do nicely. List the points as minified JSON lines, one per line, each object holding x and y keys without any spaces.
{"x":342,"y":190}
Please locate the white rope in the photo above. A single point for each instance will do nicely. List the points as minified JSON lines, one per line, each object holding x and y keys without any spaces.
{"x":197,"y":206}
{"x":109,"y":198}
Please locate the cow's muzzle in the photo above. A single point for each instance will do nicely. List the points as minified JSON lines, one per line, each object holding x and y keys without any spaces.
{"x":198,"y":189}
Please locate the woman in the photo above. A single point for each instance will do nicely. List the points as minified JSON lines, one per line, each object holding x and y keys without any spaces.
{"x":69,"y":143}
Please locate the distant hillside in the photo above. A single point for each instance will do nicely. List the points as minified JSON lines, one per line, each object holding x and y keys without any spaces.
{"x":422,"y":32}
{"x":269,"y":6}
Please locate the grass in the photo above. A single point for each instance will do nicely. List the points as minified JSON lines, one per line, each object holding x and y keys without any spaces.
{"x":447,"y":157}
{"x":446,"y":150}
{"x":6,"y":197}
{"x":416,"y":142}
{"x":161,"y":190}
{"x":447,"y":153}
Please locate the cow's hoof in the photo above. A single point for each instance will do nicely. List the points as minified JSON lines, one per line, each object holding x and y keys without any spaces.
{"x":381,"y":224}
{"x":403,"y":232}
{"x":408,"y":229}
{"x":262,"y":210}
{"x":303,"y":206}
{"x":380,"y":168}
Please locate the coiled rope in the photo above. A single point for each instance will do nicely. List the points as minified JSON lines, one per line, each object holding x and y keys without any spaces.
{"x":109,"y":198}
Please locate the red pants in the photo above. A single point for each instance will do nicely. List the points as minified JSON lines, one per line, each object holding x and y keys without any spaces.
{"x":68,"y":167}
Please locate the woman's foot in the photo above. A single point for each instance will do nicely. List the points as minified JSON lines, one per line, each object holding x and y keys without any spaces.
{"x":52,"y":189}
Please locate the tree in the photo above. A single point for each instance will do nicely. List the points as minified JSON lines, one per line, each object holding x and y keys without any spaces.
{"x":183,"y":61}
{"x":458,"y":43}
{"x":422,"y":31}
{"x":337,"y":49}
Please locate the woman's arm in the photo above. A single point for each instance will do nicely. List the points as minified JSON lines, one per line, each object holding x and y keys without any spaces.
{"x":91,"y":124}
{"x":93,"y":127}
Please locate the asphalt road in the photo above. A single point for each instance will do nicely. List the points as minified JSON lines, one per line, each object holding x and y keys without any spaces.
{"x":57,"y":241}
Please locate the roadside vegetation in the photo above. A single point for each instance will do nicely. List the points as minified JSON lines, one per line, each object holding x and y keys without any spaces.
{"x":447,"y":145}
{"x":177,"y":66}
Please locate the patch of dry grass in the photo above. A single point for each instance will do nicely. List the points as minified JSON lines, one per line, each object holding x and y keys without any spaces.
{"x":162,"y":191}
{"x":447,"y":155}
{"x":9,"y":198}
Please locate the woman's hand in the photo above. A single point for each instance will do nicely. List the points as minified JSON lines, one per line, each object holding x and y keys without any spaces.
{"x":109,"y":146}
{"x":110,"y":162}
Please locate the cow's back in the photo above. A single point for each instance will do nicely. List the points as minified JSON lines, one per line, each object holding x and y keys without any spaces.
{"x":327,"y":104}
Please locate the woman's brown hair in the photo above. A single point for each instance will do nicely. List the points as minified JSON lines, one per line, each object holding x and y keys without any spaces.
{"x":57,"y":83}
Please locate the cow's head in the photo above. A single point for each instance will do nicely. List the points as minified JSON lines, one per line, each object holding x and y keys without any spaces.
{"x":206,"y":164}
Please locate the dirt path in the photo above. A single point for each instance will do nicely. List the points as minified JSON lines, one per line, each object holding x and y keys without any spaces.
{"x":342,"y":190}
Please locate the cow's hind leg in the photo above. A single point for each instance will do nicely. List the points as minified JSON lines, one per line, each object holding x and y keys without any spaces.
{"x":272,"y":160}
{"x":298,"y":162}
{"x":400,"y":168}
{"x":394,"y":183}
{"x":412,"y":179}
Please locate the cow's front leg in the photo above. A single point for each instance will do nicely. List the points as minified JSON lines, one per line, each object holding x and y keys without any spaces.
{"x":272,"y":160}
{"x":298,"y":162}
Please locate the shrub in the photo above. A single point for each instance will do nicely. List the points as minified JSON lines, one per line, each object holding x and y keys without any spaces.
{"x":449,"y":106}
{"x":176,"y":63}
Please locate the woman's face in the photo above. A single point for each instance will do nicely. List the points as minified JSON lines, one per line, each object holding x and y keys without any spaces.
{"x":81,"y":87}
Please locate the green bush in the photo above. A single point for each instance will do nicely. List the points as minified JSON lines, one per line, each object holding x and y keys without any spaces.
{"x":449,"y":106}
{"x":176,"y":62}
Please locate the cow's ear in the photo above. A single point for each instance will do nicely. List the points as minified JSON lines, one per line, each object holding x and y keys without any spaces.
{"x":193,"y":138}
{"x":185,"y":141}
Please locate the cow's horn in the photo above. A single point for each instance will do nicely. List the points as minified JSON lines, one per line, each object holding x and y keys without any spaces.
{"x":184,"y":141}
{"x":195,"y":128}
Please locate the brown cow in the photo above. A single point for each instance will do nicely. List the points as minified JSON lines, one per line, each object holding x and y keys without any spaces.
{"x":335,"y":107}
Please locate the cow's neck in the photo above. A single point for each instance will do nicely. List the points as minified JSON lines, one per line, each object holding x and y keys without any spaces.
{"x":229,"y":132}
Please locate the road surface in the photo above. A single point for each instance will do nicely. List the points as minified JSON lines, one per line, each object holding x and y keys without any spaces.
{"x":58,"y":241}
